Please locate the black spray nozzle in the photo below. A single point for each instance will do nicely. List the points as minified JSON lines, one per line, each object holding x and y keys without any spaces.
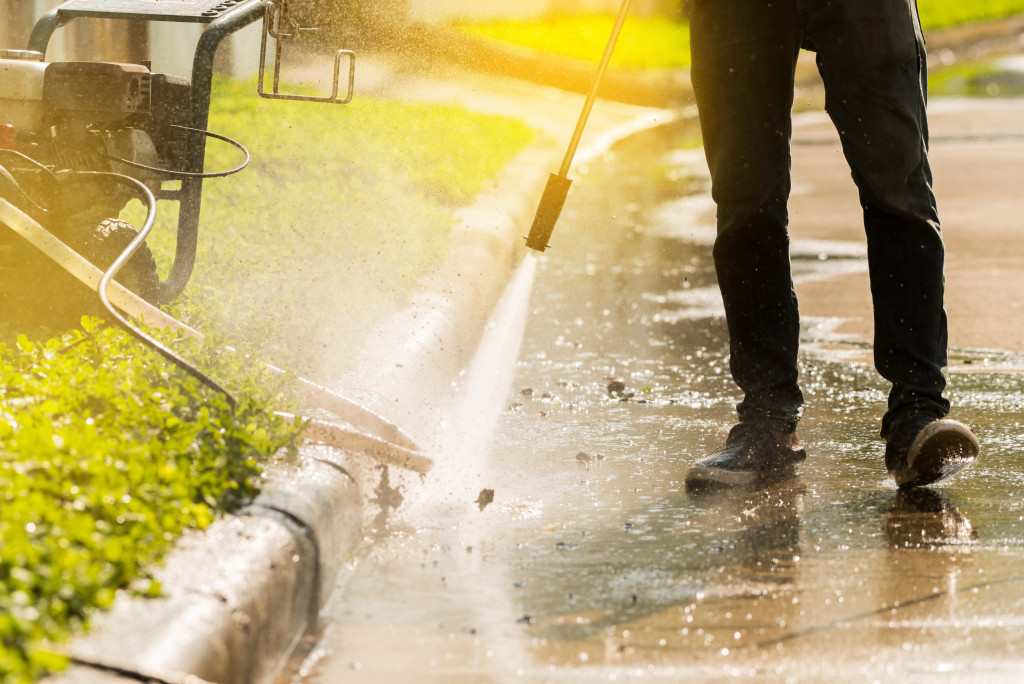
{"x":558,"y":183}
{"x":548,"y":211}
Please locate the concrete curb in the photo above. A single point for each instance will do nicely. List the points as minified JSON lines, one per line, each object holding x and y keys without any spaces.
{"x":663,"y":88}
{"x":239,"y":595}
{"x":425,"y":345}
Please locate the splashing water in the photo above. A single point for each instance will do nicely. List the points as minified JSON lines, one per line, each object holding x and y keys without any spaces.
{"x":486,"y":383}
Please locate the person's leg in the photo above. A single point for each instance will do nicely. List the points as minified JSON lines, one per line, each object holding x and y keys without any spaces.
{"x":872,"y":59}
{"x":743,"y":59}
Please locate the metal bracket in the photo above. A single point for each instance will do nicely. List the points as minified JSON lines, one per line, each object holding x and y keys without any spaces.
{"x":279,"y":25}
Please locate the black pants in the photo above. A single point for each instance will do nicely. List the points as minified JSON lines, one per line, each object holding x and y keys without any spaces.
{"x":871,"y":56}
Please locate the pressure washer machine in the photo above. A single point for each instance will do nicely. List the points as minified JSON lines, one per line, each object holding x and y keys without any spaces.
{"x":78,"y":139}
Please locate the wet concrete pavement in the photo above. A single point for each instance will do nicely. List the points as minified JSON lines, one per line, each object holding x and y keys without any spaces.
{"x":593,"y":564}
{"x":978,"y":162}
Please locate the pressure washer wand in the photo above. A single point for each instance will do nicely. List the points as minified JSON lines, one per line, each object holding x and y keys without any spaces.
{"x":557,"y":188}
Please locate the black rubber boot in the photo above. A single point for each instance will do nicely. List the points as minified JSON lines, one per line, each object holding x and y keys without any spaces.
{"x":754,"y":452}
{"x":921,"y":450}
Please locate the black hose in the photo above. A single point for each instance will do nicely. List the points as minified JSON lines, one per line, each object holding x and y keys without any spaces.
{"x":14,"y":182}
{"x":174,"y":174}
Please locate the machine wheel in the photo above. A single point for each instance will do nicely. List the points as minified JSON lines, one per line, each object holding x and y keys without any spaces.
{"x":35,"y":292}
{"x":102,"y":244}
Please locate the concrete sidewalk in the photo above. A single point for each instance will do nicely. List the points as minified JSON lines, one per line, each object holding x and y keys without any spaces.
{"x":977,"y":154}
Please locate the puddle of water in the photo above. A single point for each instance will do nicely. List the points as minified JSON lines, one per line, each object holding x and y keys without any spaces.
{"x":593,"y":564}
{"x":1000,"y":77}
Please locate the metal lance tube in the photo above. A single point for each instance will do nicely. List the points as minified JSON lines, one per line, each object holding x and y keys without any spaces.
{"x":557,"y":189}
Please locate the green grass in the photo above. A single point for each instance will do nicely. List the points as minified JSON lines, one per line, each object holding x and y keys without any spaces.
{"x":937,"y":14}
{"x":660,"y":42}
{"x":643,"y":43}
{"x":342,"y":209}
{"x":972,"y":79}
{"x":106,"y":455}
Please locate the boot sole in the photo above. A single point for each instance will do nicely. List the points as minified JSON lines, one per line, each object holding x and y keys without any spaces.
{"x":942,"y":449}
{"x":703,"y":477}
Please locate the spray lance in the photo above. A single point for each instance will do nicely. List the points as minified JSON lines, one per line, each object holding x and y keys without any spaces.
{"x":557,"y":188}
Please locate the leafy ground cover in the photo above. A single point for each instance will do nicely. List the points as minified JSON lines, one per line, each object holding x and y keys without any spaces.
{"x":663,"y":42}
{"x":106,"y":456}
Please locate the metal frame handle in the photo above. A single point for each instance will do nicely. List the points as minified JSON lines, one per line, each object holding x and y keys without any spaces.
{"x":276,"y":15}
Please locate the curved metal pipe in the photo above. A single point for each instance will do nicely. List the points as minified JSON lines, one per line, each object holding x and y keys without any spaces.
{"x":119,"y":262}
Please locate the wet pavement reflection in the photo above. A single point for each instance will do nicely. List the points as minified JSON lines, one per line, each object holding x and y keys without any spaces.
{"x":592,"y":563}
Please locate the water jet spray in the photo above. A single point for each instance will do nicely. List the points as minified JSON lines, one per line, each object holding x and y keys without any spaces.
{"x":557,"y":188}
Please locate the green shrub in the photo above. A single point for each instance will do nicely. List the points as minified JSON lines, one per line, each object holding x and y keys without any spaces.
{"x":107,"y":453}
